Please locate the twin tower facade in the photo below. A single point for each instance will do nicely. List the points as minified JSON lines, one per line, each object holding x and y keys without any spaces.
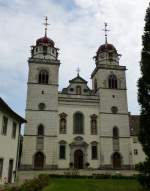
{"x":78,"y":127}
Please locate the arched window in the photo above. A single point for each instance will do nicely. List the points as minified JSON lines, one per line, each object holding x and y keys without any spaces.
{"x":39,"y":160}
{"x":63,"y":123}
{"x":112,"y":82}
{"x":95,"y":85}
{"x":40,"y":138}
{"x":116,"y":160}
{"x":40,"y":130}
{"x":93,"y":124}
{"x":115,"y":132}
{"x":78,"y":90}
{"x":78,"y":123}
{"x":43,"y":77}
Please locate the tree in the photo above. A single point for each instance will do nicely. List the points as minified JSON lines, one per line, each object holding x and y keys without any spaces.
{"x":144,"y":101}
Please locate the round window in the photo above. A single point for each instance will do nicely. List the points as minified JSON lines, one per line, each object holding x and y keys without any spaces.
{"x":114,"y":109}
{"x":42,"y":106}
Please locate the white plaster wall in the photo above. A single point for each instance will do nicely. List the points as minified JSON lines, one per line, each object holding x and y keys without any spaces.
{"x":107,"y":100}
{"x":136,"y":145}
{"x":107,"y":150}
{"x":48,"y":118}
{"x":35,"y":96}
{"x":8,"y":146}
{"x":70,"y":109}
{"x":108,"y":121}
{"x":34,"y":69}
{"x":103,"y":74}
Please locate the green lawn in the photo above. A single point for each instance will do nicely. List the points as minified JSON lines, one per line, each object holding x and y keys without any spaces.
{"x":64,"y":184}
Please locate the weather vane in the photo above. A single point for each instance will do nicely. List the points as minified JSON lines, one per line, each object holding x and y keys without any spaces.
{"x":46,"y":25}
{"x":106,"y":32}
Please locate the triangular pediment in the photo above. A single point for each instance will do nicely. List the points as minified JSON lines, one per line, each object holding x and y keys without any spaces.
{"x":78,"y":79}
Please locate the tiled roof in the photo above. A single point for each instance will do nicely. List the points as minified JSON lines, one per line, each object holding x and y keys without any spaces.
{"x":78,"y":79}
{"x":4,"y":107}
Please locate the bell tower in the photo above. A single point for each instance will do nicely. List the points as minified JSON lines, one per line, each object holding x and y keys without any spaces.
{"x":39,"y":146}
{"x":109,"y":83}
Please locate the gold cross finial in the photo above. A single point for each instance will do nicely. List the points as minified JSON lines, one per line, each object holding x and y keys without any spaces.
{"x":106,"y":32}
{"x":46,"y":25}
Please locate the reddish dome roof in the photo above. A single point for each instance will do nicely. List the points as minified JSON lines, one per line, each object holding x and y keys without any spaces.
{"x":106,"y":47}
{"x":45,"y":40}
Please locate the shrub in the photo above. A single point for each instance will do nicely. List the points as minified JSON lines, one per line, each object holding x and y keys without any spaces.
{"x":36,"y":184}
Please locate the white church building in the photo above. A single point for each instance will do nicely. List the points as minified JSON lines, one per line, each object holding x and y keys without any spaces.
{"x":79,"y":127}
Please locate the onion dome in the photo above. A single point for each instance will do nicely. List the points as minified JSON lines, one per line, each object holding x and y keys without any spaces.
{"x":45,"y":40}
{"x":106,"y":48}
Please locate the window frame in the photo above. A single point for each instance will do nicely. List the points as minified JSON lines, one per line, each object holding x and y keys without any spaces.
{"x":43,"y":77}
{"x":115,"y":132}
{"x":63,"y":117}
{"x":62,"y":153}
{"x":136,"y":152}
{"x":4,"y":125}
{"x":78,"y":129}
{"x":93,"y":118}
{"x":14,"y":130}
{"x":112,"y":81}
{"x":38,"y":130}
{"x":78,"y":90}
{"x":94,"y":151}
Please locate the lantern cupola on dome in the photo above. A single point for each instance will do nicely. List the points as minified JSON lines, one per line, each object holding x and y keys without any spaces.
{"x":45,"y":47}
{"x":107,"y":53}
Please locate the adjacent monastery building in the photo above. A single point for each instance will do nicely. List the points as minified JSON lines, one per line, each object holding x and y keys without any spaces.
{"x":79,"y":127}
{"x":10,"y":125}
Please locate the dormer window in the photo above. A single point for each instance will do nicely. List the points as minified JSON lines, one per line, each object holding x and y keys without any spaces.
{"x":78,"y":90}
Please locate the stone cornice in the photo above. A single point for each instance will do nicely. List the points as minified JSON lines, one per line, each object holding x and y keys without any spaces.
{"x":29,"y":135}
{"x":108,"y":113}
{"x":35,"y":83}
{"x":108,"y":67}
{"x":43,"y":61}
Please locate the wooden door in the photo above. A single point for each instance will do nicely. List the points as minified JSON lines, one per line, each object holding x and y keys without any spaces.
{"x":78,"y":159}
{"x":116,"y":161}
{"x":39,"y":160}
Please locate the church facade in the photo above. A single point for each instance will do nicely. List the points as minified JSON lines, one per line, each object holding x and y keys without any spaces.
{"x":79,"y":127}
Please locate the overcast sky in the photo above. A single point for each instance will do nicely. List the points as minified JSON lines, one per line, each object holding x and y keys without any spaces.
{"x":76,"y":27}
